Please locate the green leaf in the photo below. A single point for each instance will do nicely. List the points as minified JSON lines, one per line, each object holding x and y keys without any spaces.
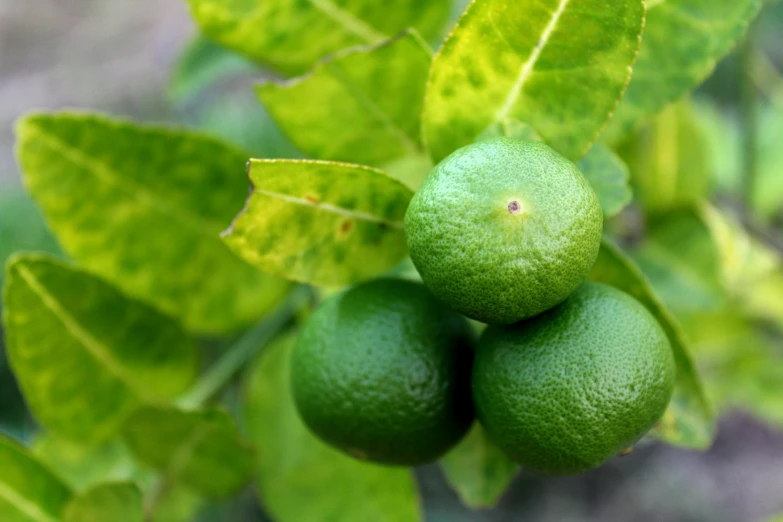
{"x":560,"y":67}
{"x":751,"y":272}
{"x":291,"y":35}
{"x":201,"y":449}
{"x":319,"y":222}
{"x":689,"y":419}
{"x":683,"y":40}
{"x":478,"y":469}
{"x":85,"y":466}
{"x":608,"y":175}
{"x":361,"y":106}
{"x":303,"y":480}
{"x":85,"y":355}
{"x":201,"y":64}
{"x":21,"y":226}
{"x":681,"y":260}
{"x":28,"y":491}
{"x":143,"y":207}
{"x":115,"y":502}
{"x":669,"y":161}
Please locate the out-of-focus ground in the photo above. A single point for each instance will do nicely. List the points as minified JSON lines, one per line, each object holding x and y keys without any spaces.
{"x":116,"y":55}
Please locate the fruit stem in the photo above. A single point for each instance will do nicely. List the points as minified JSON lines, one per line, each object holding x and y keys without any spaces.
{"x":243,"y":351}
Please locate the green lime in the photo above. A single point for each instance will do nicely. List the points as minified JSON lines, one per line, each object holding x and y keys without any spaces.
{"x":565,"y":391}
{"x":504,"y":229}
{"x":382,"y":372}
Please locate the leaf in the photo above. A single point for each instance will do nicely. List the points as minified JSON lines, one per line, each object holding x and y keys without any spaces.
{"x":683,"y":40}
{"x":85,"y":466}
{"x":201,"y":64}
{"x":361,"y":106}
{"x":751,"y":272}
{"x":115,"y":502}
{"x":143,"y":208}
{"x":556,"y":65}
{"x":680,"y":258}
{"x":608,"y":175}
{"x":296,"y":466}
{"x":28,"y":491}
{"x":669,"y":161}
{"x":291,"y":35}
{"x":319,"y":222}
{"x":201,"y":449}
{"x":478,"y":469}
{"x":688,"y":421}
{"x":85,"y":355}
{"x":21,"y":226}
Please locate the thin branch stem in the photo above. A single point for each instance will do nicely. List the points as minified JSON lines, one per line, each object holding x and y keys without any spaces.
{"x":221,"y":373}
{"x":749,"y":117}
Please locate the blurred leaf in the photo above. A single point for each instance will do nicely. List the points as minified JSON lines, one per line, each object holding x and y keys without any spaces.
{"x":680,"y":258}
{"x":84,"y":354}
{"x":111,"y":502}
{"x":290,"y":36}
{"x":478,"y":469}
{"x":689,"y":419}
{"x":723,"y":142}
{"x":510,"y":128}
{"x":608,"y":175}
{"x":323,"y":223}
{"x":559,"y":67}
{"x":669,"y":161}
{"x":752,"y":272}
{"x":28,"y":491}
{"x":360,"y":106}
{"x":201,"y":449}
{"x":143,"y":208}
{"x":683,"y":40}
{"x":21,"y":226}
{"x":83,"y":467}
{"x":768,"y":190}
{"x":176,"y":504}
{"x":202,"y":64}
{"x":303,"y":480}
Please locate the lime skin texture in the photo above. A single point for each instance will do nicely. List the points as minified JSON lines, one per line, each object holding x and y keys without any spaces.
{"x":565,"y":391}
{"x":504,"y":229}
{"x":382,"y":372}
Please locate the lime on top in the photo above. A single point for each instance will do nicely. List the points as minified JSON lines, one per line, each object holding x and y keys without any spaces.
{"x":564,"y":391}
{"x":504,"y":229}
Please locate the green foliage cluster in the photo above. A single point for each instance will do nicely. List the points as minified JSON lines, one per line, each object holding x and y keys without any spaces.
{"x":167,"y":256}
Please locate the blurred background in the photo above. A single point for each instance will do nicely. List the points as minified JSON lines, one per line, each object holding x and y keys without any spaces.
{"x":127,"y":58}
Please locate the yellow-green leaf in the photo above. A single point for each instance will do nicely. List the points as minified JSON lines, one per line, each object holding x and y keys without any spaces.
{"x":608,"y":175}
{"x":689,"y":420}
{"x":478,"y":469}
{"x":143,"y":207}
{"x":291,"y":35}
{"x":85,"y":355}
{"x":669,"y":161}
{"x":560,"y":66}
{"x":28,"y":491}
{"x":110,"y":502}
{"x":320,"y":222}
{"x":200,"y":449}
{"x":301,"y":479}
{"x":361,"y":106}
{"x":683,"y":40}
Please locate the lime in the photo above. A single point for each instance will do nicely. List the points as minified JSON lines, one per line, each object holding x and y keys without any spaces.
{"x":382,"y":372}
{"x":563,"y":392}
{"x":504,"y":229}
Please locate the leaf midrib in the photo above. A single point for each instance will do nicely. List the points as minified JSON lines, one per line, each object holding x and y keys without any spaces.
{"x":527,"y":68}
{"x":24,"y":504}
{"x":107,"y":174}
{"x":363,"y":216}
{"x":91,"y":345}
{"x":348,"y":21}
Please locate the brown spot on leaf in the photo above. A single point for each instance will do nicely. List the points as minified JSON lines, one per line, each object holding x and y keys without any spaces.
{"x":312,"y":199}
{"x":345,"y":228}
{"x":626,"y":451}
{"x":357,"y":454}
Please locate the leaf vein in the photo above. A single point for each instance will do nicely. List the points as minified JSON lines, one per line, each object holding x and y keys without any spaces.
{"x":348,"y":21}
{"x":26,"y":506}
